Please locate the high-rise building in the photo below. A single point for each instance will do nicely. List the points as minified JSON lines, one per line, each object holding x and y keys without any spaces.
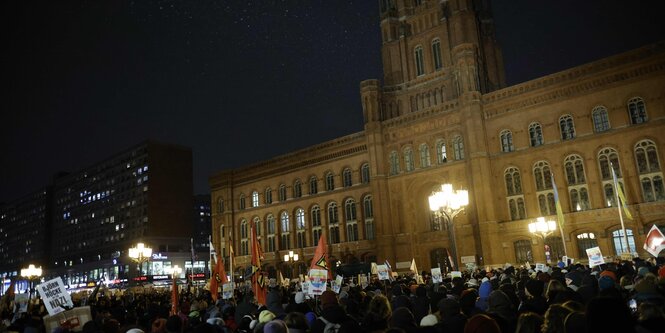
{"x":444,"y":115}
{"x":202,"y":222}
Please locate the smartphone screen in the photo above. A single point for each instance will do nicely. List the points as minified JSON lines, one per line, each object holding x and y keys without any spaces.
{"x":633,"y":305}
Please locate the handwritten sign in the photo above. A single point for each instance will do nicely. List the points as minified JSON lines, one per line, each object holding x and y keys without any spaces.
{"x":436,"y":275}
{"x":55,"y":296}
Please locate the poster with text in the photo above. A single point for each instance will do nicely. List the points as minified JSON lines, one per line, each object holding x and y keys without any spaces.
{"x":55,"y":296}
{"x":436,"y":275}
{"x":382,"y":271}
{"x":317,"y":281}
{"x":227,"y":290}
{"x":337,"y":283}
{"x":595,"y":256}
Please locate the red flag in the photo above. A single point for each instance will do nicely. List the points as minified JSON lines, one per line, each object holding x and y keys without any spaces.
{"x":320,"y":260}
{"x":258,"y":280}
{"x":218,"y":278}
{"x":174,"y":298}
{"x":450,"y":259}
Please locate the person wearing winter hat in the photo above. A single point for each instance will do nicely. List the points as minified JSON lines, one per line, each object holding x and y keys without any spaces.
{"x":452,"y":318}
{"x":158,"y":326}
{"x":573,"y":280}
{"x":332,"y":312}
{"x":483,"y":293}
{"x":266,"y":316}
{"x":534,"y":300}
{"x":481,"y":323}
{"x":275,"y":326}
{"x":296,"y":322}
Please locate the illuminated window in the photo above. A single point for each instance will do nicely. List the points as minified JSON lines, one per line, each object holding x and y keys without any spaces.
{"x":285,"y":231}
{"x":351,"y":220}
{"x":441,"y":155}
{"x":255,"y":199}
{"x":585,"y":241}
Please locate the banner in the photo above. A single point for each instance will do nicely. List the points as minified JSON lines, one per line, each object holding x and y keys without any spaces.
{"x":55,"y":296}
{"x":436,"y":275}
{"x":320,"y":260}
{"x":73,"y":319}
{"x":655,"y":241}
{"x":595,"y":256}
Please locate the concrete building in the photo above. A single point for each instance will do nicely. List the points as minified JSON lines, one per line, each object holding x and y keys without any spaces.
{"x":442,"y":114}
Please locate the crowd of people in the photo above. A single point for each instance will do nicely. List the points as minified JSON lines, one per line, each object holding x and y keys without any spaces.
{"x":623,"y":296}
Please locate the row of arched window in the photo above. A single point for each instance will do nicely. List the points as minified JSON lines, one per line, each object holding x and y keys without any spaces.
{"x":312,"y":187}
{"x":307,"y":228}
{"x":599,"y":116}
{"x":425,"y":157}
{"x":583,"y":240}
{"x":646,"y":160}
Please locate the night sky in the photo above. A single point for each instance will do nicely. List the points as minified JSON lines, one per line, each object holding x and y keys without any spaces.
{"x":238,"y":81}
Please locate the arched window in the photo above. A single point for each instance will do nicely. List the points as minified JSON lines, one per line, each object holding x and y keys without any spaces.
{"x":556,"y":247}
{"x":408,"y":159}
{"x":436,"y":54}
{"x":268,"y":196}
{"x":255,"y":199}
{"x":506,"y":141}
{"x":271,"y":233}
{"x":608,"y":157}
{"x":648,"y":166}
{"x":637,"y":111}
{"x":420,"y":62}
{"x":394,"y":163}
{"x":441,"y":155}
{"x":535,"y":135}
{"x":297,"y":189}
{"x":282,"y":192}
{"x":313,"y":185}
{"x":458,"y":148}
{"x":523,"y":251}
{"x":333,"y":223}
{"x":257,"y":226}
{"x":369,"y":217}
{"x":577,"y":189}
{"x":316,"y":225}
{"x":285,"y":223}
{"x":585,"y":241}
{"x":567,"y":127}
{"x":241,"y":202}
{"x":220,"y":205}
{"x":424,"y":156}
{"x":346,"y":177}
{"x":244,"y":242}
{"x":300,"y":227}
{"x":330,"y":181}
{"x":364,"y":173}
{"x":514,"y":195}
{"x":619,"y":242}
{"x":351,"y":220}
{"x":544,"y":192}
{"x":601,"y":120}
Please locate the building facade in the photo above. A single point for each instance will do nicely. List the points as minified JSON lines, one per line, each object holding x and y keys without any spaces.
{"x":442,"y":114}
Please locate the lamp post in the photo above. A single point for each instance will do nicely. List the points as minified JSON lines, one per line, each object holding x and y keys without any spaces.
{"x":447,"y":204}
{"x":543,"y":229}
{"x":31,"y":273}
{"x":291,"y":259}
{"x":140,"y":254}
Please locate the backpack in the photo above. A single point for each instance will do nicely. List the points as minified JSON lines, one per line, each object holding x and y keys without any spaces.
{"x":330,"y":327}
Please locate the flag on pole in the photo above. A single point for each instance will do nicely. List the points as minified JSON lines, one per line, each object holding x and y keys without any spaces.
{"x":413,"y":267}
{"x":213,"y":252}
{"x":557,"y":204}
{"x":622,"y":197}
{"x":191,"y":243}
{"x":258,"y":279}
{"x":450,"y":260}
{"x":174,"y":297}
{"x":390,"y":270}
{"x":320,"y":260}
{"x":218,"y":278}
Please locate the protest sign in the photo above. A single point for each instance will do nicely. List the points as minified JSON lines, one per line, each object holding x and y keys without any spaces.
{"x":436,"y":275}
{"x":540,"y":267}
{"x":227,"y":290}
{"x":382,"y":271}
{"x":455,"y":274}
{"x":655,"y":241}
{"x":595,"y":256}
{"x":337,"y":283}
{"x":55,"y":296}
{"x":73,"y":319}
{"x":21,"y":302}
{"x":317,"y":281}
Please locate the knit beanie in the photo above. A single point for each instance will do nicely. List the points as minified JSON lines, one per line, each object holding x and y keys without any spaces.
{"x":575,"y":277}
{"x":535,"y":287}
{"x":605,"y":282}
{"x":275,"y":326}
{"x":266,"y":316}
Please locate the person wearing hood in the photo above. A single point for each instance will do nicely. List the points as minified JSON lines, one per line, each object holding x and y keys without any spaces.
{"x":274,"y":303}
{"x":452,"y":318}
{"x":421,"y":304}
{"x":332,"y":312}
{"x":500,"y":307}
{"x":534,"y":300}
{"x":245,"y":307}
{"x":483,"y":294}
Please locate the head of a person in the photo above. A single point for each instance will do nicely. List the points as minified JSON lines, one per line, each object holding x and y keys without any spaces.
{"x":554,"y":318}
{"x":296,"y":320}
{"x":481,"y":323}
{"x":328,"y":299}
{"x":529,"y":322}
{"x":380,"y":306}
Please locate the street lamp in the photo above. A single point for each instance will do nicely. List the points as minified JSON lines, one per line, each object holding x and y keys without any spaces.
{"x":174,"y":271}
{"x":448,"y":203}
{"x":31,"y":273}
{"x":291,"y":259}
{"x":543,"y":229}
{"x":140,"y":254}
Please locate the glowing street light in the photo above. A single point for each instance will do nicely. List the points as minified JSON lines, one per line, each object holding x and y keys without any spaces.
{"x":291,"y":259}
{"x":448,"y":203}
{"x":543,"y":229}
{"x":140,"y":254}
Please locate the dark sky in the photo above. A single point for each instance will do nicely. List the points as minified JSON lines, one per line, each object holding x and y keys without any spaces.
{"x":238,"y":81}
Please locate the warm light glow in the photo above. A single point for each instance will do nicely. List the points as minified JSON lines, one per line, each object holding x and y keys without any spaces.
{"x":286,"y":257}
{"x":448,"y":199}
{"x":295,"y":257}
{"x":31,"y":271}
{"x":291,"y":256}
{"x":175,"y":270}
{"x":140,"y":252}
{"x":542,"y":227}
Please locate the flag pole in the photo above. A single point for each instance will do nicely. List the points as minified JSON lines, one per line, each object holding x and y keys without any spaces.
{"x":619,"y":207}
{"x":559,"y":214}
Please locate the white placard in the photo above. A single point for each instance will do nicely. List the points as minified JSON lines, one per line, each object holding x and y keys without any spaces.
{"x":382,"y":271}
{"x":655,"y":241}
{"x":455,"y":274}
{"x":55,"y":296}
{"x":227,"y":290}
{"x":337,"y":283}
{"x":540,"y":267}
{"x":317,"y":281}
{"x":436,"y":275}
{"x":468,"y":259}
{"x":595,"y":256}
